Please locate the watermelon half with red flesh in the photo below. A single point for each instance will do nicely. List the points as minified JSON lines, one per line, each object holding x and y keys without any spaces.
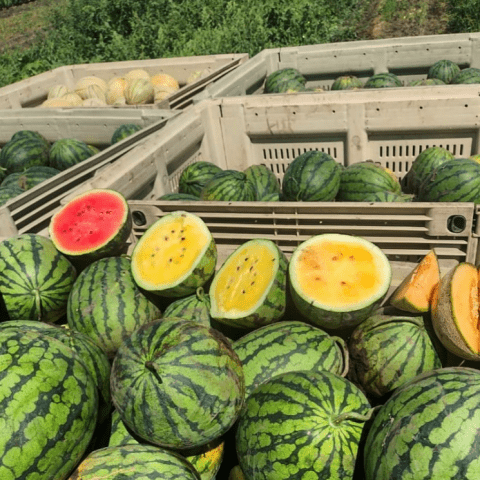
{"x":93,"y":225}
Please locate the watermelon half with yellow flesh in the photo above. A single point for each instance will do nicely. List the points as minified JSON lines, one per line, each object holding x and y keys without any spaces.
{"x":249,"y":290}
{"x":93,"y":225}
{"x":455,"y":311}
{"x":176,"y":255}
{"x":414,"y":294}
{"x":338,"y":280}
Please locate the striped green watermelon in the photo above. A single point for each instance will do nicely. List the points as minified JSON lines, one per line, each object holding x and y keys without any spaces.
{"x":383,"y":80}
{"x":428,"y":429}
{"x":346,"y":82}
{"x":310,"y":177}
{"x":92,"y":225}
{"x":467,"y":76}
{"x":106,"y":304}
{"x":457,"y":180}
{"x":229,"y":185}
{"x":275,"y":82}
{"x":7,"y":193}
{"x":389,"y":350}
{"x":426,"y":82}
{"x":425,"y":162}
{"x":359,"y":179}
{"x":189,"y":383}
{"x":123,"y":131}
{"x":195,"y":176}
{"x":30,"y":134}
{"x":178,"y":197}
{"x":264,"y":180}
{"x":287,"y":346}
{"x":384,"y":196}
{"x":249,"y":289}
{"x":35,"y":278}
{"x":49,"y":405}
{"x":21,"y":153}
{"x":67,"y":152}
{"x":443,"y":70}
{"x":272,"y":197}
{"x":194,"y":307}
{"x":303,"y":424}
{"x":292,"y":86}
{"x":139,"y":462}
{"x":30,"y":177}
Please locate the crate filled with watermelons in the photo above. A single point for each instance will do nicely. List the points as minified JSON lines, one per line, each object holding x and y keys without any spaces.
{"x":422,"y":61}
{"x":300,"y":342}
{"x":45,"y":155}
{"x":166,"y":83}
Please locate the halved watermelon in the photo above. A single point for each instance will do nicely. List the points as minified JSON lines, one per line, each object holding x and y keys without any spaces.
{"x":93,"y":225}
{"x":338,"y":280}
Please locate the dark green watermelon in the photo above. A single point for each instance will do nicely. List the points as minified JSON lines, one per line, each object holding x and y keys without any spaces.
{"x":229,"y":185}
{"x":425,"y":82}
{"x":178,"y":196}
{"x":383,"y":80}
{"x":9,"y":192}
{"x":444,"y":70}
{"x":195,"y":176}
{"x":310,"y":177}
{"x":21,"y":153}
{"x":194,"y":307}
{"x":347,"y":82}
{"x":276,"y":82}
{"x":264,"y":180}
{"x":123,"y":131}
{"x":467,"y":76}
{"x":30,"y":177}
{"x":385,"y":196}
{"x":30,"y":134}
{"x":67,"y":152}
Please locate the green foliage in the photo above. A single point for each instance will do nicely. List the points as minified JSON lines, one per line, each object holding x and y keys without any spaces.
{"x":135,"y":30}
{"x":464,"y":16}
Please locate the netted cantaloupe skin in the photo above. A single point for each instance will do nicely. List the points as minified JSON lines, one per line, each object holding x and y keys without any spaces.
{"x":175,"y":256}
{"x":249,"y":290}
{"x":337,"y":281}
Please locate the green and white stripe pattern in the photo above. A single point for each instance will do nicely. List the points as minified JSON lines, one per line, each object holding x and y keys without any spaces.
{"x":303,"y":425}
{"x":35,"y":278}
{"x":107,"y":305}
{"x":142,"y":462}
{"x":177,"y":383}
{"x":48,"y":405}
{"x":428,"y":429}
{"x":288,"y":346}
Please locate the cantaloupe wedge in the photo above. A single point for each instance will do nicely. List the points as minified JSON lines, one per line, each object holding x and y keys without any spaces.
{"x":455,"y":311}
{"x":415,"y":292}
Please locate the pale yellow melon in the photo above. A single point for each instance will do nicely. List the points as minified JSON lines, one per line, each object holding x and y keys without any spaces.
{"x":83,"y":84}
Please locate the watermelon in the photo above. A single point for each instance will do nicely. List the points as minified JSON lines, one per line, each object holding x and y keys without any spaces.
{"x":426,"y":82}
{"x":359,"y":180}
{"x":302,"y":424}
{"x":30,"y":134}
{"x":123,"y":131}
{"x":428,"y":429}
{"x":443,"y":70}
{"x":467,"y":76}
{"x":386,"y":196}
{"x":176,"y":255}
{"x":346,"y":82}
{"x":139,"y":462}
{"x":229,"y":185}
{"x":35,"y":278}
{"x":67,"y":152}
{"x":7,"y":193}
{"x":338,"y":280}
{"x":21,"y":153}
{"x":30,"y":177}
{"x":271,"y":197}
{"x":194,"y":307}
{"x":292,"y":86}
{"x":311,"y":176}
{"x":288,"y":346}
{"x":249,"y":289}
{"x":178,"y":197}
{"x":275,"y":82}
{"x":456,"y":180}
{"x":92,"y":225}
{"x":388,"y":350}
{"x":188,"y":381}
{"x":425,"y":162}
{"x":195,"y":176}
{"x":49,"y":405}
{"x":383,"y":80}
{"x":264,"y":180}
{"x":106,"y":304}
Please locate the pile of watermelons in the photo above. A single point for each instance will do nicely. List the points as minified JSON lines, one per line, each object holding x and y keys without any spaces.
{"x":156,"y":360}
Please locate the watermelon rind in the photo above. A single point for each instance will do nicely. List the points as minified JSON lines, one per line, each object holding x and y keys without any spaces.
{"x":67,"y":152}
{"x":275,"y":82}
{"x":123,"y":131}
{"x":347,"y":82}
{"x":428,"y":428}
{"x":468,"y":75}
{"x":49,"y":404}
{"x":178,"y":197}
{"x":195,"y":307}
{"x":21,"y":153}
{"x":195,"y":176}
{"x":426,"y":82}
{"x":9,"y":192}
{"x":35,"y":278}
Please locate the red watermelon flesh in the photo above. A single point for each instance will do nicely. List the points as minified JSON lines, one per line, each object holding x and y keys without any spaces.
{"x":96,"y":223}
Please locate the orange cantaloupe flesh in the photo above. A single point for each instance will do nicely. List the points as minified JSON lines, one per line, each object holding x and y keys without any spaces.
{"x":169,"y":251}
{"x":245,"y":278}
{"x":338,"y":274}
{"x":414,"y":294}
